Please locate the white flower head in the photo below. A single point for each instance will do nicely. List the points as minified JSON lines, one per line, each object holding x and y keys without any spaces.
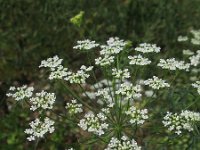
{"x":20,"y":93}
{"x":39,"y":128}
{"x":123,"y":144}
{"x":196,"y":37}
{"x":121,"y":74}
{"x":168,"y":64}
{"x":147,"y":48}
{"x":104,"y":96}
{"x":51,"y":62}
{"x":105,"y":60}
{"x":114,"y":46}
{"x":156,"y":83}
{"x":172,"y":64}
{"x":130,"y":91}
{"x":138,"y":60}
{"x":188,"y":52}
{"x":137,"y":116}
{"x":181,"y":65}
{"x":80,"y":76}
{"x":182,"y":38}
{"x":59,"y":73}
{"x":197,"y":86}
{"x":42,"y":100}
{"x":74,"y":107}
{"x":70,"y":149}
{"x":195,"y":59}
{"x":179,"y":122}
{"x":94,"y":123}
{"x":86,"y":45}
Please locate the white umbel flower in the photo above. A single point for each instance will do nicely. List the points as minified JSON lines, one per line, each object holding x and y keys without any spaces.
{"x":114,"y":46}
{"x":147,"y":48}
{"x":179,"y":122}
{"x":188,"y":52}
{"x":94,"y":123}
{"x":173,"y":64}
{"x":104,"y":96}
{"x":86,"y":45}
{"x":70,"y":149}
{"x":196,"y":37}
{"x":51,"y":62}
{"x":121,"y":74}
{"x":137,"y":116}
{"x":181,"y":65}
{"x":195,"y":59}
{"x":130,"y":91}
{"x":20,"y":93}
{"x":156,"y":83}
{"x":105,"y":60}
{"x":80,"y":76}
{"x":182,"y":38}
{"x":197,"y":86}
{"x":123,"y":144}
{"x":42,"y":100}
{"x":168,"y":64}
{"x":138,"y":60}
{"x":74,"y":107}
{"x":39,"y":128}
{"x":59,"y":73}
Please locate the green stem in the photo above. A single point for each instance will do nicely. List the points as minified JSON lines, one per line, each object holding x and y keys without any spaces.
{"x":77,"y":97}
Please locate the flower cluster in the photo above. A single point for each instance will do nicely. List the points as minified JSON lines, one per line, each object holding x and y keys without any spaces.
{"x":70,"y":149}
{"x":74,"y":107}
{"x":156,"y":83}
{"x":121,"y":74}
{"x":94,"y":123}
{"x":182,"y":38}
{"x":197,"y":86}
{"x":105,"y":96}
{"x":173,"y":64}
{"x":39,"y":128}
{"x":86,"y":45}
{"x":42,"y":100}
{"x":179,"y":122}
{"x":123,"y":144}
{"x":147,"y":48}
{"x":195,"y":59}
{"x":188,"y":52}
{"x":114,"y":46}
{"x":80,"y":76}
{"x":137,"y":116}
{"x":107,"y":54}
{"x":196,"y":37}
{"x":104,"y":61}
{"x":57,"y":71}
{"x":51,"y":62}
{"x":130,"y":91}
{"x":20,"y":93}
{"x":138,"y":60}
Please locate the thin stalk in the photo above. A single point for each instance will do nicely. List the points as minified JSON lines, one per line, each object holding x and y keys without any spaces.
{"x":36,"y":144}
{"x":77,"y":97}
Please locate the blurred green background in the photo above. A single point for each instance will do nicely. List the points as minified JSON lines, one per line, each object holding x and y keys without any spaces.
{"x":32,"y":30}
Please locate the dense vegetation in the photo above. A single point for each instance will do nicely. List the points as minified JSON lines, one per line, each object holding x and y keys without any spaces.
{"x":31,"y":31}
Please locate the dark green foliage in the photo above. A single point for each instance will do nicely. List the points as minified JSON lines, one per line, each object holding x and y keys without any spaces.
{"x":32,"y":30}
